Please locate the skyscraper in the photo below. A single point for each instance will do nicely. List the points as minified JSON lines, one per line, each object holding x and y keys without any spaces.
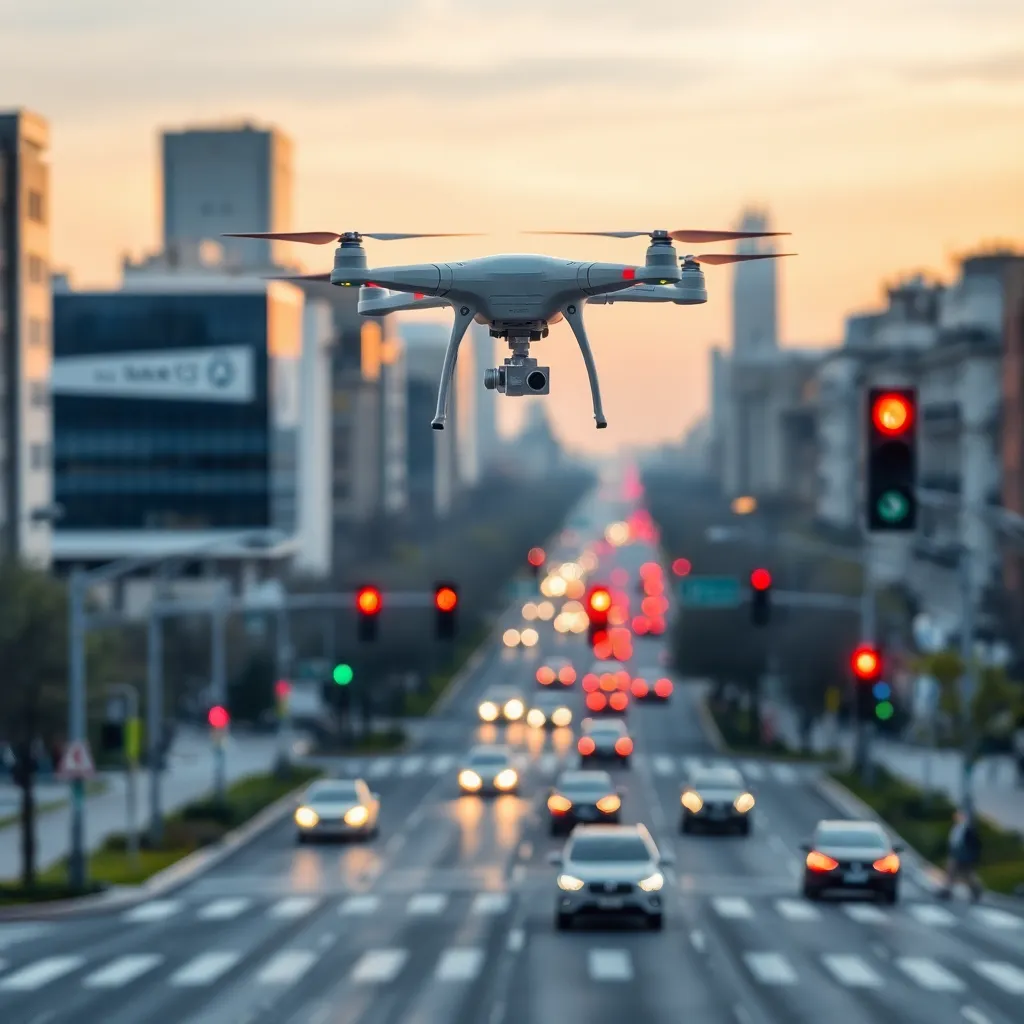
{"x":223,"y":179}
{"x":488,"y":442}
{"x":755,"y":328}
{"x":26,"y":478}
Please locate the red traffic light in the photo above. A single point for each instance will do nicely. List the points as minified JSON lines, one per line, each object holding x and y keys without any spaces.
{"x":600,"y":600}
{"x":760,"y":579}
{"x":218,"y":717}
{"x":368,"y":600}
{"x":866,"y":663}
{"x":282,"y":688}
{"x":536,"y":557}
{"x":681,"y":566}
{"x":892,"y":414}
{"x":446,"y":599}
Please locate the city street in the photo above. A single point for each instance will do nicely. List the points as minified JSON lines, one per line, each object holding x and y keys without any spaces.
{"x":448,"y":915}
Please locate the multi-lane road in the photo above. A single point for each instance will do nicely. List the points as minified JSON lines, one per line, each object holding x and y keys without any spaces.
{"x":447,"y":918}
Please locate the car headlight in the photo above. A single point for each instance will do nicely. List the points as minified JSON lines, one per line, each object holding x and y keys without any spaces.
{"x":506,"y":779}
{"x":652,"y":883}
{"x":743,"y":802}
{"x":558,"y":804}
{"x":514,"y":710}
{"x":470,"y":780}
{"x":488,"y":711}
{"x":691,"y":801}
{"x":569,"y":883}
{"x":535,"y":719}
{"x":357,"y":816}
{"x":306,"y":817}
{"x":561,"y":717}
{"x":609,"y":804}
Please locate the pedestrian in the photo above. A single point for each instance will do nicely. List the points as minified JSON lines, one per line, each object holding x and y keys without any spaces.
{"x":964,"y":856}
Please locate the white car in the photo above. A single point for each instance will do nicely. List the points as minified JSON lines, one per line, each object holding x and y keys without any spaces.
{"x":549,"y":710}
{"x":489,"y":770}
{"x":338,"y":809}
{"x":502,"y":703}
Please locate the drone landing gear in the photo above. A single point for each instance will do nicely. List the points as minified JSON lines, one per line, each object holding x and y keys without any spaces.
{"x":463,"y":318}
{"x":574,"y":317}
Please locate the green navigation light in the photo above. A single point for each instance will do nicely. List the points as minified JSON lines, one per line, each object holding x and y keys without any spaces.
{"x":893,"y":507}
{"x":884,"y":711}
{"x":343,"y":674}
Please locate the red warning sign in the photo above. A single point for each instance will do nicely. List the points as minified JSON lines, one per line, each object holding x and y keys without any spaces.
{"x":77,"y":762}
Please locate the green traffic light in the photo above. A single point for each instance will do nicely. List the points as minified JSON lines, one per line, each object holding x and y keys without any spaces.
{"x":884,"y":710}
{"x":343,"y":674}
{"x":893,"y":507}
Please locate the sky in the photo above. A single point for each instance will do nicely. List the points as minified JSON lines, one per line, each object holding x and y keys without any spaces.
{"x":886,"y":135}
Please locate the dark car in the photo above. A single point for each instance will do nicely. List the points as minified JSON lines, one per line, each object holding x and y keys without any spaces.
{"x":604,"y":739}
{"x":851,"y":856}
{"x":651,"y":685}
{"x":583,"y":797}
{"x":717,"y":798}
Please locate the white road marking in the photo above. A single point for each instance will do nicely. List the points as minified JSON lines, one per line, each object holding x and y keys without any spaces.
{"x":123,"y":970}
{"x":931,"y":915}
{"x":459,"y":965}
{"x":997,"y":918}
{"x":797,"y":910}
{"x":785,"y":773}
{"x":427,"y":903}
{"x":490,"y":903}
{"x":41,"y":973}
{"x":442,"y":764}
{"x":293,"y":906}
{"x":225,"y":909}
{"x":516,"y":940}
{"x":18,"y":932}
{"x":697,"y":939}
{"x":752,"y":770}
{"x":204,"y":969}
{"x":411,"y":766}
{"x":865,"y":913}
{"x":770,"y":968}
{"x":287,"y":967}
{"x":663,"y":766}
{"x":973,"y":1015}
{"x":851,"y":970}
{"x":928,"y":974}
{"x":1007,"y":976}
{"x":379,"y":965}
{"x":380,"y":767}
{"x":365,"y":904}
{"x":156,"y":910}
{"x":609,"y":965}
{"x":732,"y":906}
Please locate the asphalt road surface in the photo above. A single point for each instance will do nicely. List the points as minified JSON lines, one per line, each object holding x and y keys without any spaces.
{"x":447,"y":917}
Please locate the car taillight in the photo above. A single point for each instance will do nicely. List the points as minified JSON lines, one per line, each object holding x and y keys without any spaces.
{"x":586,"y":746}
{"x":545,"y":675}
{"x":623,"y":746}
{"x":619,"y":701}
{"x":596,"y":701}
{"x":567,"y":675}
{"x":590,"y":683}
{"x":821,"y":862}
{"x":640,"y":688}
{"x":888,"y":865}
{"x":609,"y":682}
{"x":558,"y":804}
{"x":622,"y":680}
{"x":640,"y":625}
{"x":663,"y":687}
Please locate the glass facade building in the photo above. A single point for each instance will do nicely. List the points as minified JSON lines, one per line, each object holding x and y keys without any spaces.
{"x":177,"y":410}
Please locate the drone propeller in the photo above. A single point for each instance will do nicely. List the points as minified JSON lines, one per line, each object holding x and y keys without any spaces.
{"x":718,"y":258}
{"x":326,"y":237}
{"x":685,"y":235}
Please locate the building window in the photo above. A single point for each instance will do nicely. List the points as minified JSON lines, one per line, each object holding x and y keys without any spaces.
{"x":35,"y":207}
{"x":36,"y":270}
{"x":40,"y":455}
{"x":36,"y":332}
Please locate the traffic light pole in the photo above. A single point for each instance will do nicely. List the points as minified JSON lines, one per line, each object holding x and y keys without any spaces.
{"x":284,"y":658}
{"x":864,"y":729}
{"x":219,"y":687}
{"x":968,"y":681}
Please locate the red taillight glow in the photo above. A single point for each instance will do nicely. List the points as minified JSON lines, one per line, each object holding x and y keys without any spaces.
{"x":603,"y":650}
{"x":640,"y":688}
{"x":623,"y":746}
{"x":640,"y":625}
{"x":888,"y":865}
{"x":663,"y":688}
{"x":567,"y":675}
{"x":590,"y":683}
{"x":657,"y":626}
{"x":821,"y":862}
{"x":597,"y":701}
{"x":622,"y":680}
{"x":545,"y":675}
{"x":618,"y":701}
{"x":586,"y":746}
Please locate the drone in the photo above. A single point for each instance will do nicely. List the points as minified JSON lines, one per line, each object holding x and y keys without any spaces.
{"x":519,"y":296}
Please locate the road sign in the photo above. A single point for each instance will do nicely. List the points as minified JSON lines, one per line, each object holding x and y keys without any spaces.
{"x":710,"y":591}
{"x":77,"y":762}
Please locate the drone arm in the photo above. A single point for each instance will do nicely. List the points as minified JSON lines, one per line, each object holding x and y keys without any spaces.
{"x":607,"y":278}
{"x":638,"y":293}
{"x":399,"y":303}
{"x":417,"y":279}
{"x":574,"y":315}
{"x":463,"y":318}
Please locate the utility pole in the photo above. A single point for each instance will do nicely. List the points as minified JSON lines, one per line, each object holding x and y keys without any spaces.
{"x":131,"y":753}
{"x":284,"y":653}
{"x":76,"y":720}
{"x":968,"y":681}
{"x":219,"y":684}
{"x":863,"y":730}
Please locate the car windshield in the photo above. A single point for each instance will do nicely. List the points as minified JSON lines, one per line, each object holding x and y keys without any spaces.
{"x":860,"y":837}
{"x":595,"y":849}
{"x":335,"y":792}
{"x":585,"y":780}
{"x":722,"y":777}
{"x":608,"y":728}
{"x":489,"y":760}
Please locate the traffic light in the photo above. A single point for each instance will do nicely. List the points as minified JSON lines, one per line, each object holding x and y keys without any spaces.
{"x":536,"y":559}
{"x":342,"y":675}
{"x":872,"y":695}
{"x":446,"y":601}
{"x":112,"y":737}
{"x":760,"y":597}
{"x":218,"y":718}
{"x":891,"y":453}
{"x":599,"y":603}
{"x":368,"y":604}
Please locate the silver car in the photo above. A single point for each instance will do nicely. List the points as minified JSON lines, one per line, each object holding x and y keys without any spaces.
{"x":502,"y":704}
{"x":717,"y":798}
{"x":604,"y":739}
{"x":339,"y":809}
{"x":549,"y":710}
{"x":610,"y":870}
{"x":489,"y":771}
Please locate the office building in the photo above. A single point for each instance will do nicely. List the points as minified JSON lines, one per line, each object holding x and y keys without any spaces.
{"x":485,"y":415}
{"x":755,"y":315}
{"x":180,"y":416}
{"x":220,"y":179}
{"x":26,"y":481}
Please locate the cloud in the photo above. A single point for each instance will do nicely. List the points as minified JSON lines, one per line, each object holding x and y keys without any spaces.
{"x":999,"y":68}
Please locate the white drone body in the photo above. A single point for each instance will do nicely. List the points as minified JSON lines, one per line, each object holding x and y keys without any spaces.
{"x":518,"y":296}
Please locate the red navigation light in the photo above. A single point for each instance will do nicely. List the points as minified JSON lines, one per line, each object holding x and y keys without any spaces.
{"x":866,"y":663}
{"x":536,"y":557}
{"x":218,"y":717}
{"x":368,"y":600}
{"x":760,"y":579}
{"x":600,"y":600}
{"x":282,"y":688}
{"x":629,"y":274}
{"x":446,"y":599}
{"x":892,"y":415}
{"x":682,"y":567}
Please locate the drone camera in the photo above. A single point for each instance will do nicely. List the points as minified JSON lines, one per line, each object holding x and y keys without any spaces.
{"x":494,"y":379}
{"x":538,"y":382}
{"x":516,"y":380}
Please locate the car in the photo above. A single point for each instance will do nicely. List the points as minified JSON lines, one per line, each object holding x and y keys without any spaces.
{"x":607,"y":689}
{"x":851,"y":856}
{"x":338,"y":809}
{"x":717,"y":798}
{"x":557,"y":673}
{"x":489,"y":770}
{"x":502,"y":702}
{"x":604,"y":739}
{"x":609,"y":870}
{"x":579,"y":797}
{"x":549,"y":710}
{"x":651,"y":684}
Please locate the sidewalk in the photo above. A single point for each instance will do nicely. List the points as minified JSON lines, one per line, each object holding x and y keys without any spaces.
{"x":188,"y":777}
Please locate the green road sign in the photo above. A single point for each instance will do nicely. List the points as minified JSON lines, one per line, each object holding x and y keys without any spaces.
{"x":343,"y":674}
{"x":710,"y":591}
{"x":893,"y":507}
